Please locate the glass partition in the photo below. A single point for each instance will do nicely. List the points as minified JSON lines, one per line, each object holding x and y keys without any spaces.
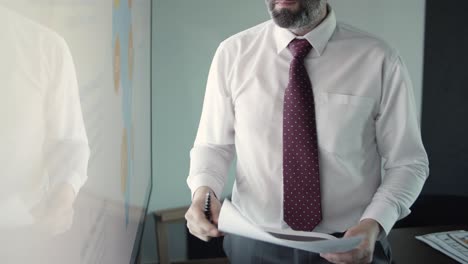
{"x":75,"y":130}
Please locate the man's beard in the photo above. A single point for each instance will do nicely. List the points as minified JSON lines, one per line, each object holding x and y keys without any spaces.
{"x":308,"y":13}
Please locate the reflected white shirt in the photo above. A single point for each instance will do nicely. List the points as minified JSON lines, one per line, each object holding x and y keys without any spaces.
{"x":365,"y":112}
{"x":42,"y":133}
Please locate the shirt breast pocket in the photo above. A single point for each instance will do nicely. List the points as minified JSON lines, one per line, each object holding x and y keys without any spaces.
{"x":345,"y":123}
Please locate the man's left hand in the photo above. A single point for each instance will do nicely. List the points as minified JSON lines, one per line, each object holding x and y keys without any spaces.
{"x":369,"y":229}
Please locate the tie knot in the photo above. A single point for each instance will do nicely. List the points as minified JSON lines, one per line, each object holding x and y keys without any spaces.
{"x":299,"y":48}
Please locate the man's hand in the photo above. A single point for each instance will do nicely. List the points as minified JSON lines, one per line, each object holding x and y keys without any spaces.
{"x":197,"y":223}
{"x":368,"y":228}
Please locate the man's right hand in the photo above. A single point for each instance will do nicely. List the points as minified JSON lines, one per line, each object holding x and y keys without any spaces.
{"x":197,"y":223}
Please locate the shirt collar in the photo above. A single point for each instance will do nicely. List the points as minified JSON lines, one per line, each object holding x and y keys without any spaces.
{"x":318,"y":37}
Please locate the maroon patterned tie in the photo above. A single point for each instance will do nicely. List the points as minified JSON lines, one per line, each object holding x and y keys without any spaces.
{"x":301,"y":181}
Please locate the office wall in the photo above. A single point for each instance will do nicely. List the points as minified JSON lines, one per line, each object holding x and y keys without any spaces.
{"x":444,"y":126}
{"x":185,"y":37}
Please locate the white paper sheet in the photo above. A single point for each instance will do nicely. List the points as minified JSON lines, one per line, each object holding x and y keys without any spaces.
{"x":233,"y":222}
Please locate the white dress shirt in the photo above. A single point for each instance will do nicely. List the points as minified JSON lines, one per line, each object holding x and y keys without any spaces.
{"x":365,"y":112}
{"x":42,"y":137}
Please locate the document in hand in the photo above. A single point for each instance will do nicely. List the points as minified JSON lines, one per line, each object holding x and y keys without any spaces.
{"x":231,"y":221}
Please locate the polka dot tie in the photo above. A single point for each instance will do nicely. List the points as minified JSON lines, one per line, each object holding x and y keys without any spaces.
{"x":301,"y":181}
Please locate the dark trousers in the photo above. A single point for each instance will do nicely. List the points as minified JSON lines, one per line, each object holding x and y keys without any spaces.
{"x":241,"y":250}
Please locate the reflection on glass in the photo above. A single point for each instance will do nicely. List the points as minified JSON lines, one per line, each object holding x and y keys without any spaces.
{"x":75,"y":161}
{"x":44,"y":154}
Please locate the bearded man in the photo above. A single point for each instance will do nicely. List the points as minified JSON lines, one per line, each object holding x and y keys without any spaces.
{"x":315,"y":110}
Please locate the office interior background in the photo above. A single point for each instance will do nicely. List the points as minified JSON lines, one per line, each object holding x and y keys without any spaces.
{"x":141,"y":69}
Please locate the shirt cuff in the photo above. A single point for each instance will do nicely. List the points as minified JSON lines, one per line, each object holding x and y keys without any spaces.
{"x":75,"y":180}
{"x":384,"y":214}
{"x":196,"y":181}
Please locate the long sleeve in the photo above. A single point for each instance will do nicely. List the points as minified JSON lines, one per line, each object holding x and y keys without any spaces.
{"x":213,"y":150}
{"x":66,"y":148}
{"x":399,"y":142}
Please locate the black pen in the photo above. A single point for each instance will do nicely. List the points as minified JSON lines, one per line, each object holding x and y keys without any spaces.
{"x":207,"y":209}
